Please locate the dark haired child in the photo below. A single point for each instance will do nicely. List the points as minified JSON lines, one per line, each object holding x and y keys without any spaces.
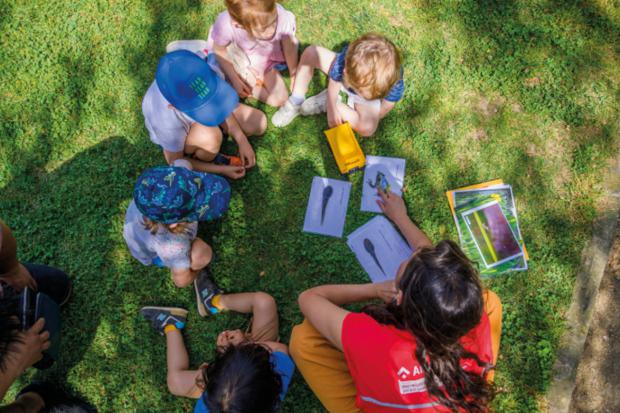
{"x":430,"y":348}
{"x":251,"y":370}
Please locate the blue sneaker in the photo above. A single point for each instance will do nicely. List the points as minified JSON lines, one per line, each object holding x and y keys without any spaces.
{"x":160,"y":317}
{"x":206,"y":290}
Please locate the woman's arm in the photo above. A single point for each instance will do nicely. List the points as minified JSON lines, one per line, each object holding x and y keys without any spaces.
{"x":321,"y":305}
{"x":394,"y":208}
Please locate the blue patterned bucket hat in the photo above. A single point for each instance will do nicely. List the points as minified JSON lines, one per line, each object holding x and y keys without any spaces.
{"x":170,"y":194}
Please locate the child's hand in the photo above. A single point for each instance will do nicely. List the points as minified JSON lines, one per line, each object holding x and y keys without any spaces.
{"x":233,"y":172}
{"x":333,"y":116}
{"x":247,"y":155}
{"x":392,"y":205}
{"x":243,"y":89}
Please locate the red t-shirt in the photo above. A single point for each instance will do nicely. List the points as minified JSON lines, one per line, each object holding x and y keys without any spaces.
{"x":387,"y":375}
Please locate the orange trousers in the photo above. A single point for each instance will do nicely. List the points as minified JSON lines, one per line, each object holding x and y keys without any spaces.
{"x":325,"y":369}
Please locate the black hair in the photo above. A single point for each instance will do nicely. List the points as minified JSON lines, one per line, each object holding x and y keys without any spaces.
{"x":9,"y":323}
{"x":242,"y":379}
{"x":442,"y":301}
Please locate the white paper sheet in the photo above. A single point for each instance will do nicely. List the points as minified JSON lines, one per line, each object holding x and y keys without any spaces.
{"x":378,"y":170}
{"x":379,"y":248}
{"x":327,"y":208}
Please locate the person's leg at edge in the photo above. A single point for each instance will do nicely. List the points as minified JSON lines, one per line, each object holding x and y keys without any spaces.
{"x":203,"y":142}
{"x":181,"y":380}
{"x":493,"y":308}
{"x":324,"y":368}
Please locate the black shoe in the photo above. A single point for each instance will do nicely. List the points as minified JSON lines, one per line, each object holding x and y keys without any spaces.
{"x":206,"y":290}
{"x":160,"y":317}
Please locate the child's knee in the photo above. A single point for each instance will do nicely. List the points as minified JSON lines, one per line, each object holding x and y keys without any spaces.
{"x":201,"y":254}
{"x":366,"y":129}
{"x":182,"y":280}
{"x":261,"y":124}
{"x":310,"y":54}
{"x":264,"y":302}
{"x":276,"y":100}
{"x":208,"y":139}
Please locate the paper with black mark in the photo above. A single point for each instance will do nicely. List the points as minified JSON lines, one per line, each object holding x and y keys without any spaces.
{"x":381,"y":172}
{"x":327,"y":206}
{"x":379,"y":248}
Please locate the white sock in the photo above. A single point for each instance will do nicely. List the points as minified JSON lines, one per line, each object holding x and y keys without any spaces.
{"x":297,"y":99}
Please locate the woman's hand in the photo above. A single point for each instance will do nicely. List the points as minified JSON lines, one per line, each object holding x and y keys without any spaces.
{"x":392,"y":205}
{"x":29,"y":349}
{"x":386,"y":291}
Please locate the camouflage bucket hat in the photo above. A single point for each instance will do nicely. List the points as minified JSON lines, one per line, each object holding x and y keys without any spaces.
{"x":170,"y":194}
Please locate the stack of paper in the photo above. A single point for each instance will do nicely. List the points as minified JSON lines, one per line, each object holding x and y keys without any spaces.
{"x":488,"y":226}
{"x":379,"y":248}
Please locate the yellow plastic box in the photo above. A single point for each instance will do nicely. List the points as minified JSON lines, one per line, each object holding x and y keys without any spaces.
{"x":347,"y":152}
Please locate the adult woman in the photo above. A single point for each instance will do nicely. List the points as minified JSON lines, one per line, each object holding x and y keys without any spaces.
{"x":429,"y":348}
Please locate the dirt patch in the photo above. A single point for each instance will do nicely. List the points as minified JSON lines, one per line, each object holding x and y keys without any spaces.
{"x":598,"y":375}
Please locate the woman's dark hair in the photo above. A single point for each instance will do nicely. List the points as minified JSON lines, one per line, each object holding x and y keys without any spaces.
{"x":441,"y":302}
{"x":242,"y":379}
{"x":9,"y":323}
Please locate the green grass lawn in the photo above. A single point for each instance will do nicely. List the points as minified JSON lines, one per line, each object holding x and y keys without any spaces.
{"x":527,"y":91}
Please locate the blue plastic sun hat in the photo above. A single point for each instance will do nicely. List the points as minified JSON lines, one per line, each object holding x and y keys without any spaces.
{"x":170,"y":194}
{"x":191,"y":86}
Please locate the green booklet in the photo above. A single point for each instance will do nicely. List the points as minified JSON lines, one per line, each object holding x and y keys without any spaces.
{"x":488,"y":228}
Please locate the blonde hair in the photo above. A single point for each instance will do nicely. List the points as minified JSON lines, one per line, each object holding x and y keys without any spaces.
{"x":252,"y":14}
{"x":372,"y":65}
{"x":153,"y":227}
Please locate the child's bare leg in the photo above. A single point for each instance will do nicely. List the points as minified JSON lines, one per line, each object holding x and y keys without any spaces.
{"x":263,"y":308}
{"x":364,"y":119}
{"x":181,"y":380}
{"x":314,"y":57}
{"x":203,"y":142}
{"x":200,"y":255}
{"x":274,"y":91}
{"x":253,"y":121}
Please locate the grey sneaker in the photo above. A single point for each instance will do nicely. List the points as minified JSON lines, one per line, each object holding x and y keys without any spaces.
{"x":315,"y":104}
{"x":196,"y":46}
{"x":160,"y":317}
{"x":206,"y":289}
{"x":285,"y":114}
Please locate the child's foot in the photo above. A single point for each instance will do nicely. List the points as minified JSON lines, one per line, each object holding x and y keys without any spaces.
{"x":221,"y":159}
{"x":206,"y":291}
{"x":286,"y":114}
{"x":160,"y":317}
{"x":195,"y":46}
{"x":315,"y":104}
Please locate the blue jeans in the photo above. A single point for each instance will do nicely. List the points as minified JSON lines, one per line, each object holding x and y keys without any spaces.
{"x":51,"y":281}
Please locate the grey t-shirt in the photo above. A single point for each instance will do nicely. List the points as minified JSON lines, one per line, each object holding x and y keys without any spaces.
{"x":173,"y":249}
{"x":167,"y":126}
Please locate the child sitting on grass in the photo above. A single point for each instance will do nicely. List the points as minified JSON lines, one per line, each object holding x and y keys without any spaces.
{"x":188,"y":108}
{"x":253,"y":40}
{"x":162,"y":221}
{"x":368,"y":71}
{"x":251,"y":370}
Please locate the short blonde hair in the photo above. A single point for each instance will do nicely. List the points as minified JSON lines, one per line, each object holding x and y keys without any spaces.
{"x":372,"y":66}
{"x":153,"y":227}
{"x":252,"y":14}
